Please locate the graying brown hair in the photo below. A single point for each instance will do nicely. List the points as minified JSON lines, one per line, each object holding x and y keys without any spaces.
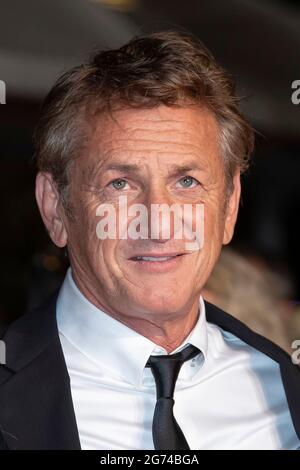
{"x":169,"y":67}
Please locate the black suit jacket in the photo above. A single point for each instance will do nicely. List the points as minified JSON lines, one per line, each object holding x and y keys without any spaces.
{"x":3,"y":445}
{"x":36,"y":404}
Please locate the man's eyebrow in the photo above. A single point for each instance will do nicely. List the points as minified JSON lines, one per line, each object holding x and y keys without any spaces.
{"x":122,"y":167}
{"x":176,"y":169}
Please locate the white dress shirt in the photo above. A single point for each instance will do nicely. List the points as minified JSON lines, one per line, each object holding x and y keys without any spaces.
{"x":229,"y":397}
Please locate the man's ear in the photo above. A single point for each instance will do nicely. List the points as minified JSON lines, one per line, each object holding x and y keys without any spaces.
{"x":232,"y":209}
{"x":48,"y":201}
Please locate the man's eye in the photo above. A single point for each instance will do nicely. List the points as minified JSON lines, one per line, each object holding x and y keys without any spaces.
{"x":118,"y":183}
{"x":188,"y":182}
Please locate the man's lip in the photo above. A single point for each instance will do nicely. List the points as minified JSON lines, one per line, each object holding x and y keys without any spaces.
{"x":157,"y":255}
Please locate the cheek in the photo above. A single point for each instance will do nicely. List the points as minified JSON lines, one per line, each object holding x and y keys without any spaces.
{"x":212,"y":242}
{"x":82,"y":232}
{"x":106,"y":260}
{"x":212,"y":226}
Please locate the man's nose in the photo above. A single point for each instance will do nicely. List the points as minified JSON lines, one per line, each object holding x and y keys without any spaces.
{"x":160,"y":218}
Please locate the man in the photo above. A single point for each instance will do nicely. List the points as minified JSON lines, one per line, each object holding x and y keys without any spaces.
{"x":128,"y":355}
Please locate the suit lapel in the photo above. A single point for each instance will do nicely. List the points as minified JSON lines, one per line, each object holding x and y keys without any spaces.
{"x":36,"y":403}
{"x":290,"y":373}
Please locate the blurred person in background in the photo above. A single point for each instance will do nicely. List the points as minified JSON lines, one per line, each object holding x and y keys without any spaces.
{"x":253,"y":294}
{"x":294,"y":326}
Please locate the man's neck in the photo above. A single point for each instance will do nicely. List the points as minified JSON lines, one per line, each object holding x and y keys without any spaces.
{"x":168,"y":334}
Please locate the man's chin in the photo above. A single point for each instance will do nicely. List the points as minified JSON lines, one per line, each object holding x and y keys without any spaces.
{"x":161,"y":305}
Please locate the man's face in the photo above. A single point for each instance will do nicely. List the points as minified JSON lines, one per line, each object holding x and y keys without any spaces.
{"x":164,"y":155}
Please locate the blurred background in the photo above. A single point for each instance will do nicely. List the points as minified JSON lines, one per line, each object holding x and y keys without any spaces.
{"x":258,"y":41}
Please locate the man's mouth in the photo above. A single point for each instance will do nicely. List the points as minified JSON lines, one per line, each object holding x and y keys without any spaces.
{"x":156,"y":258}
{"x":157,"y":263}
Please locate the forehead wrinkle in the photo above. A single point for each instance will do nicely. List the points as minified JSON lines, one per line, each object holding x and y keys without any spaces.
{"x":131,"y":118}
{"x":109,"y":140}
{"x":195,"y":144}
{"x":128,"y":128}
{"x":138,"y":142}
{"x":133,"y":146}
{"x":160,"y":135}
{"x":120,"y":155}
{"x":132,"y":123}
{"x":160,"y":127}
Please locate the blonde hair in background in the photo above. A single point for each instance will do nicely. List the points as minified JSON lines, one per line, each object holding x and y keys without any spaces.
{"x":253,"y":294}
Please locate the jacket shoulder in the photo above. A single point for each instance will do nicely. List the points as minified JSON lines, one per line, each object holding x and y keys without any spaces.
{"x":29,"y":334}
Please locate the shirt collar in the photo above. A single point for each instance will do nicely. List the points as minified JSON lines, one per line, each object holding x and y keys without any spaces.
{"x":107,"y":341}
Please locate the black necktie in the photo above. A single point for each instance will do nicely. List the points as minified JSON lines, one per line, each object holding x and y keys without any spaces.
{"x":167,"y":435}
